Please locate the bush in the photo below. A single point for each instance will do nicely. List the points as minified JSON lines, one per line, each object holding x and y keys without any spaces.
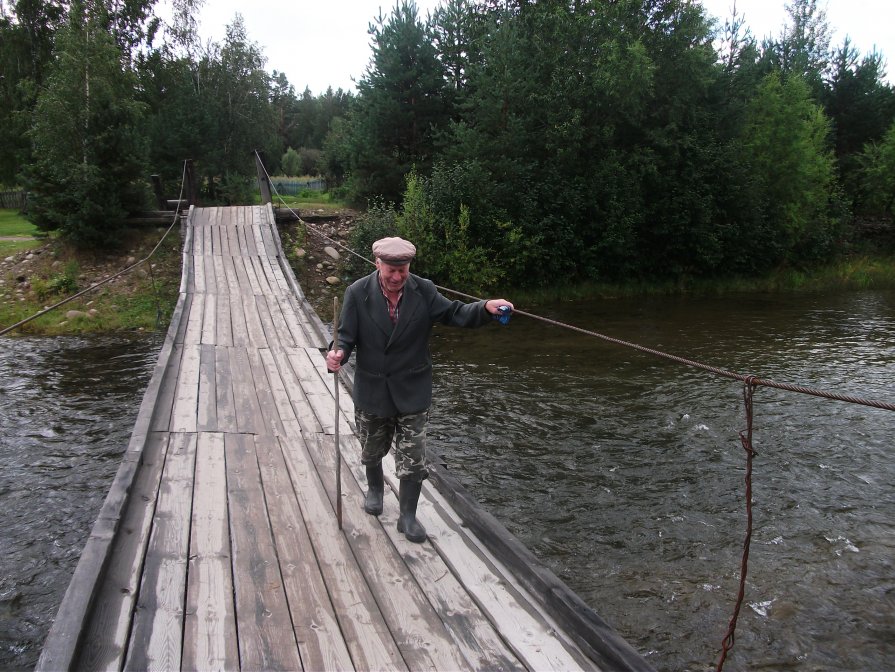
{"x":291,"y":163}
{"x":380,"y":221}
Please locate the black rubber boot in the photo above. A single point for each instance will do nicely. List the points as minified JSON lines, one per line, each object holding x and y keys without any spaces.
{"x":408,"y":497}
{"x":375,"y":488}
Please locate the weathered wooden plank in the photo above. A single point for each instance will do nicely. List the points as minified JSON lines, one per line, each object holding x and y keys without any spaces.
{"x":248,"y":237}
{"x":269,"y":409}
{"x":318,"y":390}
{"x":270,"y":276}
{"x":259,"y":239}
{"x":207,"y":414}
{"x":313,"y":380}
{"x":196,"y":247}
{"x":303,"y":411}
{"x":230,"y":274}
{"x":236,"y":242}
{"x":186,"y":399}
{"x":199,"y":272}
{"x":280,"y":321}
{"x":316,"y":626}
{"x":211,"y":282}
{"x":285,"y":409}
{"x":220,"y":276}
{"x":238,"y":321}
{"x":161,"y":417}
{"x":106,"y":634}
{"x":209,"y":321}
{"x":254,"y":287}
{"x":366,"y":633}
{"x":255,"y":329}
{"x":282,"y":284}
{"x":239,"y":271}
{"x":260,"y":276}
{"x":223,"y":328}
{"x":216,"y":241}
{"x":207,"y":241}
{"x":193,"y":334}
{"x":272,"y":335}
{"x":223,"y":229}
{"x":249,"y":418}
{"x":475,"y":636}
{"x":186,"y":305}
{"x":300,"y":335}
{"x":266,"y":637}
{"x":269,"y":246}
{"x":225,"y":404}
{"x":209,"y":640}
{"x":157,"y":633}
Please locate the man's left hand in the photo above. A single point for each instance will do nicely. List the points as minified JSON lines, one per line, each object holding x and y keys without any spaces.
{"x":493,"y":305}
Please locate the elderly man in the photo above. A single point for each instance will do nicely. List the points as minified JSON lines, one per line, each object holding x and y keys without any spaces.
{"x":387,"y":318}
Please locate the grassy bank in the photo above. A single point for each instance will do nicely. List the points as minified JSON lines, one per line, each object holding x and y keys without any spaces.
{"x":856,"y":273}
{"x":41,"y":272}
{"x":16,"y":233}
{"x":39,"y":276}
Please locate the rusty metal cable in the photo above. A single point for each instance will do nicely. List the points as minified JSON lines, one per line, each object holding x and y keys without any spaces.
{"x":746,"y":439}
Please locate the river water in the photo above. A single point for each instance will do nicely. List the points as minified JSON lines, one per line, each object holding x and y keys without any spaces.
{"x":622,"y":472}
{"x":67,"y":409}
{"x":625,"y":473}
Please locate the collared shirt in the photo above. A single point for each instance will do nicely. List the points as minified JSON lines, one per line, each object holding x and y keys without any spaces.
{"x":391,"y":308}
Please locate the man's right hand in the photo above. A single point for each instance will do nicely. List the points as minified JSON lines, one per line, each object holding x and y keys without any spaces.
{"x":333,"y":360}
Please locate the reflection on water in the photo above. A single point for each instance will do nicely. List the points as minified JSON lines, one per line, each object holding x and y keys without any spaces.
{"x":624,"y":473}
{"x":67,"y":408}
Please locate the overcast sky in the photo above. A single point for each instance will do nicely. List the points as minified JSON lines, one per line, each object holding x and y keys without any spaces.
{"x":321,"y":43}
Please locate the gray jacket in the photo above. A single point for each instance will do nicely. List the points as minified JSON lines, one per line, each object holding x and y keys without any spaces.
{"x":394,"y":367}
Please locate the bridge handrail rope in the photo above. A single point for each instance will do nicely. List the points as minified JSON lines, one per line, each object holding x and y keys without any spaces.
{"x":750,"y":382}
{"x":127,"y":269}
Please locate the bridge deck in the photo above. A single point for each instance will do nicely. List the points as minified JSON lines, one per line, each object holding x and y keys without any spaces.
{"x":218,"y":547}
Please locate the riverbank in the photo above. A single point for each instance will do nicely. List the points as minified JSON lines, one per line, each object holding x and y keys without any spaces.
{"x":49,"y":271}
{"x":857,"y":272}
{"x":34,"y":278}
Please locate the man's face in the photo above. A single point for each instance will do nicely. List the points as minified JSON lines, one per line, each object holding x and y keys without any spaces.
{"x":393,"y":277}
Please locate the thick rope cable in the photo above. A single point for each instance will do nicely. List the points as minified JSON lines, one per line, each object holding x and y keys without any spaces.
{"x":97,"y":285}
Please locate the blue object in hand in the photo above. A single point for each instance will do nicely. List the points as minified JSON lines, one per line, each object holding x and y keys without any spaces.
{"x":503,"y":314}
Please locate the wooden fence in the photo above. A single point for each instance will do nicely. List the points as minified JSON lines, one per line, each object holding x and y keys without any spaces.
{"x":13,"y":200}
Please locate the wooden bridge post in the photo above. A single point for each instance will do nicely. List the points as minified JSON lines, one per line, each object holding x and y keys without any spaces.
{"x":192,"y":185}
{"x":263,"y":180}
{"x":159,"y":193}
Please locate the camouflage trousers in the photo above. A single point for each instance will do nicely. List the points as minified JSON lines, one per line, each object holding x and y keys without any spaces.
{"x":409,"y":434}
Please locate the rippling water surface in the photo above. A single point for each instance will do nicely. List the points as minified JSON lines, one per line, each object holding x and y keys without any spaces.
{"x":625,"y":473}
{"x":67,"y":408}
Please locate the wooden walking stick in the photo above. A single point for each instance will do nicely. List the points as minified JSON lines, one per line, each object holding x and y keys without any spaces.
{"x":336,"y":396}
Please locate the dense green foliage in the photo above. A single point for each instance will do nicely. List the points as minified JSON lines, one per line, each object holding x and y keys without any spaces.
{"x":515,"y":141}
{"x":610,"y":141}
{"x":88,"y":151}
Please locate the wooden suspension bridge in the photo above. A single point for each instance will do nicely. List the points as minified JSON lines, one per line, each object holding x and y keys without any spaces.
{"x":218,"y":547}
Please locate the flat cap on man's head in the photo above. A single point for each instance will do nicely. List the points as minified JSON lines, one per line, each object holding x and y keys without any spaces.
{"x":394,"y":250}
